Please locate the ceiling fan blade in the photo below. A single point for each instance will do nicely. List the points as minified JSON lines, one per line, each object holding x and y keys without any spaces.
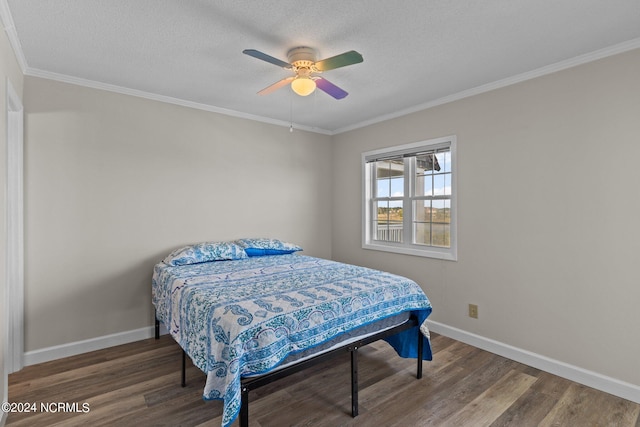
{"x":328,"y":87}
{"x":342,"y":60}
{"x":277,"y":85}
{"x":268,"y":58}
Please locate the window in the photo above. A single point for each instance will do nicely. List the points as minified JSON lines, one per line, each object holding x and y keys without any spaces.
{"x":409,"y":199}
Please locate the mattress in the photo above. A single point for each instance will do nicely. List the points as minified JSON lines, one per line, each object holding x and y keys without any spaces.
{"x":247,"y":317}
{"x":341,"y":340}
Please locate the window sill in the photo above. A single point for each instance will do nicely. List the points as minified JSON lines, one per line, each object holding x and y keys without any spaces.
{"x":430,"y":252}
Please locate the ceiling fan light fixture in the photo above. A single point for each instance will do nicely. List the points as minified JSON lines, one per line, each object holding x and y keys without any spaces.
{"x":302,"y":62}
{"x":303,"y":86}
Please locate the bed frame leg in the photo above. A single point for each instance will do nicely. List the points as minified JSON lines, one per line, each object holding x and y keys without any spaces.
{"x":244,"y":407}
{"x":157,"y":325}
{"x":420,"y":351}
{"x":183,"y":383}
{"x":354,"y":382}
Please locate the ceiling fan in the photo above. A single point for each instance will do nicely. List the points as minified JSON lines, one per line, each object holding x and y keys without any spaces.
{"x":302,"y":61}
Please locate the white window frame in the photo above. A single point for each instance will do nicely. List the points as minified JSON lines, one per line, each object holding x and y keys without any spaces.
{"x":407,"y":247}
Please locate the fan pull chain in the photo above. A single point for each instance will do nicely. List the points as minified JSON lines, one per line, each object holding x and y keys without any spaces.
{"x":291,"y":113}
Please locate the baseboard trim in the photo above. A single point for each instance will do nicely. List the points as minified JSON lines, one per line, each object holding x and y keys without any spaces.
{"x":582,"y":376}
{"x":71,"y":349}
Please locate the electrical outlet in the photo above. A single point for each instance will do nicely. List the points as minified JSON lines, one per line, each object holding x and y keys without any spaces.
{"x":473,"y":311}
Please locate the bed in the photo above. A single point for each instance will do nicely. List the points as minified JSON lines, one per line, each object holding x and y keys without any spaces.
{"x":249,"y":311}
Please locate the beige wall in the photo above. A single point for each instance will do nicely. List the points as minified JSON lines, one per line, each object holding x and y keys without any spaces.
{"x":9,"y":70}
{"x":114,"y":182}
{"x":549,"y":208}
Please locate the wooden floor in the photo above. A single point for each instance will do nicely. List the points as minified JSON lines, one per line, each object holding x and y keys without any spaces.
{"x":138,"y":384}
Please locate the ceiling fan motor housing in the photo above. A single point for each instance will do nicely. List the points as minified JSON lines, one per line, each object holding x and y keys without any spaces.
{"x":302,"y":57}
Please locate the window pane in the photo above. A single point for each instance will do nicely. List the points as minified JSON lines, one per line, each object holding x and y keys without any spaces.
{"x":390,"y":178}
{"x":441,"y":211}
{"x":388,"y":224}
{"x":422,"y":233}
{"x":447,"y":184}
{"x":397,"y":187}
{"x":422,"y":210}
{"x":383,"y":211}
{"x":421,"y":222}
{"x":423,"y":185}
{"x":382,"y":179}
{"x":432,"y":222}
{"x":439,"y":185}
{"x":427,"y":164}
{"x":444,"y":160}
{"x":441,"y":235}
{"x":383,"y":187}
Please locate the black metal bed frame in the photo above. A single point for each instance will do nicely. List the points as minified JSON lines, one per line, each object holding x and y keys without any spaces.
{"x":252,"y":383}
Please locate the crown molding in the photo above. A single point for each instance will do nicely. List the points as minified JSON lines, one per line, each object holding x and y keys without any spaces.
{"x":12,"y":35}
{"x":34,"y":72}
{"x":543,"y":71}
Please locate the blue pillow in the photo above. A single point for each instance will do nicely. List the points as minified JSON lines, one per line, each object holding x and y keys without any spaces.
{"x":263,"y":247}
{"x":205,"y":252}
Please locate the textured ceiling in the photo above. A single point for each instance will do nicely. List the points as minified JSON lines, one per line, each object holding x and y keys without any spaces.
{"x":416,"y":52}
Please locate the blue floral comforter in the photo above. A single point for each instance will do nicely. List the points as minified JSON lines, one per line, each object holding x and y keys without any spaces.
{"x":243,"y":317}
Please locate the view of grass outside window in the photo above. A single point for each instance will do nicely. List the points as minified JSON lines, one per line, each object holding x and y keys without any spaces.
{"x":409,"y":198}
